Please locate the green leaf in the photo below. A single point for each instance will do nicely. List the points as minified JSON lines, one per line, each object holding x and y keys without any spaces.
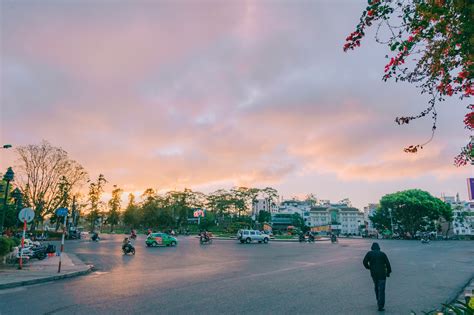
{"x":394,"y":46}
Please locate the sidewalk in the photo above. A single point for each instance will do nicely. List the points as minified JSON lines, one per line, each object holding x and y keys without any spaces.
{"x":467,"y":293}
{"x":38,"y":271}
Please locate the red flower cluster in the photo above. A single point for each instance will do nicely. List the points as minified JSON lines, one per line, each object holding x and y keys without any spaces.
{"x":469,"y":120}
{"x":395,"y":61}
{"x":445,"y":89}
{"x":469,"y":91}
{"x":465,"y":156}
{"x":353,"y":40}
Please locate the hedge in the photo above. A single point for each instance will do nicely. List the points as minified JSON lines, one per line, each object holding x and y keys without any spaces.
{"x":7,"y":244}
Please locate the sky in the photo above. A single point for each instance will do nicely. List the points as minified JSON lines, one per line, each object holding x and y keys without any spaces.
{"x":215,"y":94}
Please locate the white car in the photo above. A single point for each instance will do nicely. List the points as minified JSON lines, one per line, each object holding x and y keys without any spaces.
{"x":249,"y":236}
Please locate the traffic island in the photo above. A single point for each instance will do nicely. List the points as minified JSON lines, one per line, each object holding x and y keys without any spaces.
{"x":39,"y":271}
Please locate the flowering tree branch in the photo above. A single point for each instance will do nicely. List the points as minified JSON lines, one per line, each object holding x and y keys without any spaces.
{"x":432,"y":43}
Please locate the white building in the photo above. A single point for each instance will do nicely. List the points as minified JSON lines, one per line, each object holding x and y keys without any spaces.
{"x":336,"y":218}
{"x":368,"y":212}
{"x":463,"y":215}
{"x":264,"y":204}
{"x":296,"y":206}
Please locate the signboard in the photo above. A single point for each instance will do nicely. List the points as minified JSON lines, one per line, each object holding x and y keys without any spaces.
{"x":198,"y":213}
{"x":320,"y":228}
{"x":470,"y":188}
{"x":61,"y":212}
{"x":26,"y":214}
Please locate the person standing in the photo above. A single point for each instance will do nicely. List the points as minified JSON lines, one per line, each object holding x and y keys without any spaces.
{"x":377,"y":262}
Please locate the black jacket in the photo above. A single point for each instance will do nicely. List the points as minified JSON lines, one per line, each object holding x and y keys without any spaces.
{"x":378,"y":263}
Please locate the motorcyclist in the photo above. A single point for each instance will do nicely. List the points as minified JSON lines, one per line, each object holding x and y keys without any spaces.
{"x":126,"y":245}
{"x":133,"y":234}
{"x":302,"y":237}
{"x":333,"y":238}
{"x":204,"y":236}
{"x":95,"y":236}
{"x":310,"y":237}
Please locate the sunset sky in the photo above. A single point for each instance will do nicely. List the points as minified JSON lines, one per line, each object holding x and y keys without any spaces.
{"x":213,"y":94}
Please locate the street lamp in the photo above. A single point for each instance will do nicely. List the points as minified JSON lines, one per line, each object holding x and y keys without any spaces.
{"x":8,"y":177}
{"x":391,"y":221}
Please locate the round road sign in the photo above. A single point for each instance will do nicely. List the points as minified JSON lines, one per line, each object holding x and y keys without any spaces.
{"x":26,"y":214}
{"x":61,"y":212}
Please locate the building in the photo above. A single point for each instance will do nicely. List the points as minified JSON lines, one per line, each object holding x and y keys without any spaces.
{"x":463,"y":215}
{"x":281,"y":221}
{"x":264,"y":204}
{"x":368,"y":212}
{"x":296,"y":206}
{"x":336,"y":218}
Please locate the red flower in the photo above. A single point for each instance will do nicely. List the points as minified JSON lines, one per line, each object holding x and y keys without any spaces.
{"x":463,"y":74}
{"x":370,"y":13}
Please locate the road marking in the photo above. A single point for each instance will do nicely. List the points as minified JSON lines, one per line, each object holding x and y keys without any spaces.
{"x":12,"y":290}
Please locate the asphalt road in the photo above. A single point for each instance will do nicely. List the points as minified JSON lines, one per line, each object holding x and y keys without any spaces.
{"x":232,"y":278}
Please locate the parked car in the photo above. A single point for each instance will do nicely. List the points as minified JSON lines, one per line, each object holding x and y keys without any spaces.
{"x":249,"y":236}
{"x":161,"y":239}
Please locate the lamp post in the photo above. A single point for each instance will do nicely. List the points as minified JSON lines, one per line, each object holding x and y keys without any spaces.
{"x":8,"y":177}
{"x":391,"y":221}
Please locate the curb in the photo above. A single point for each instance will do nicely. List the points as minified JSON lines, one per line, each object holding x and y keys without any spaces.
{"x":47,"y":279}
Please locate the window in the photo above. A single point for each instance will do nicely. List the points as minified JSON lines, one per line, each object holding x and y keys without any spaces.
{"x":246,"y":232}
{"x":252,"y":232}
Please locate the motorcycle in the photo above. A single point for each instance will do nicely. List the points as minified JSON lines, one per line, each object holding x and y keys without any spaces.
{"x":306,"y":238}
{"x":425,"y":241}
{"x":133,"y":236}
{"x":95,"y":237}
{"x":205,"y":239}
{"x":333,"y":239}
{"x":128,"y":249}
{"x":33,"y":251}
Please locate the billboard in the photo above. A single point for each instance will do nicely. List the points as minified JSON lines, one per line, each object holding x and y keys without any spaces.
{"x":470,"y":188}
{"x":321,"y":228}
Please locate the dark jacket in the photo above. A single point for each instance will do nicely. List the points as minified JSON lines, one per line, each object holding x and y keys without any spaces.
{"x":378,"y":263}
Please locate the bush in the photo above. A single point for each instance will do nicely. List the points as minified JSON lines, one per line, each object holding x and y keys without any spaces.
{"x":6,"y":245}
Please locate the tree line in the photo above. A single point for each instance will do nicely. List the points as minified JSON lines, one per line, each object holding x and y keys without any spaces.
{"x":46,"y":179}
{"x":49,"y":179}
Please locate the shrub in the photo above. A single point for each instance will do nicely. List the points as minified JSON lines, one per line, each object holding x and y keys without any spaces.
{"x":6,"y":245}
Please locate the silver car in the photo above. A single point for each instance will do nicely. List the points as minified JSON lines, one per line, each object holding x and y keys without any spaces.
{"x":249,"y":236}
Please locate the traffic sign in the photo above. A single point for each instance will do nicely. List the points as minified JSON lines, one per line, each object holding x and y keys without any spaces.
{"x":26,"y":214}
{"x":61,"y":212}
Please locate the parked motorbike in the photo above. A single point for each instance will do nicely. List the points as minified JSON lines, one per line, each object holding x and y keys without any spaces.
{"x":39,"y":252}
{"x":33,"y":251}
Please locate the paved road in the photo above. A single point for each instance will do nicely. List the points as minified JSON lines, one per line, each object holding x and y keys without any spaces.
{"x":231,"y":278}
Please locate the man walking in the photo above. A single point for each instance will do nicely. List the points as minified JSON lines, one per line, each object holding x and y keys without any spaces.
{"x":379,"y":266}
